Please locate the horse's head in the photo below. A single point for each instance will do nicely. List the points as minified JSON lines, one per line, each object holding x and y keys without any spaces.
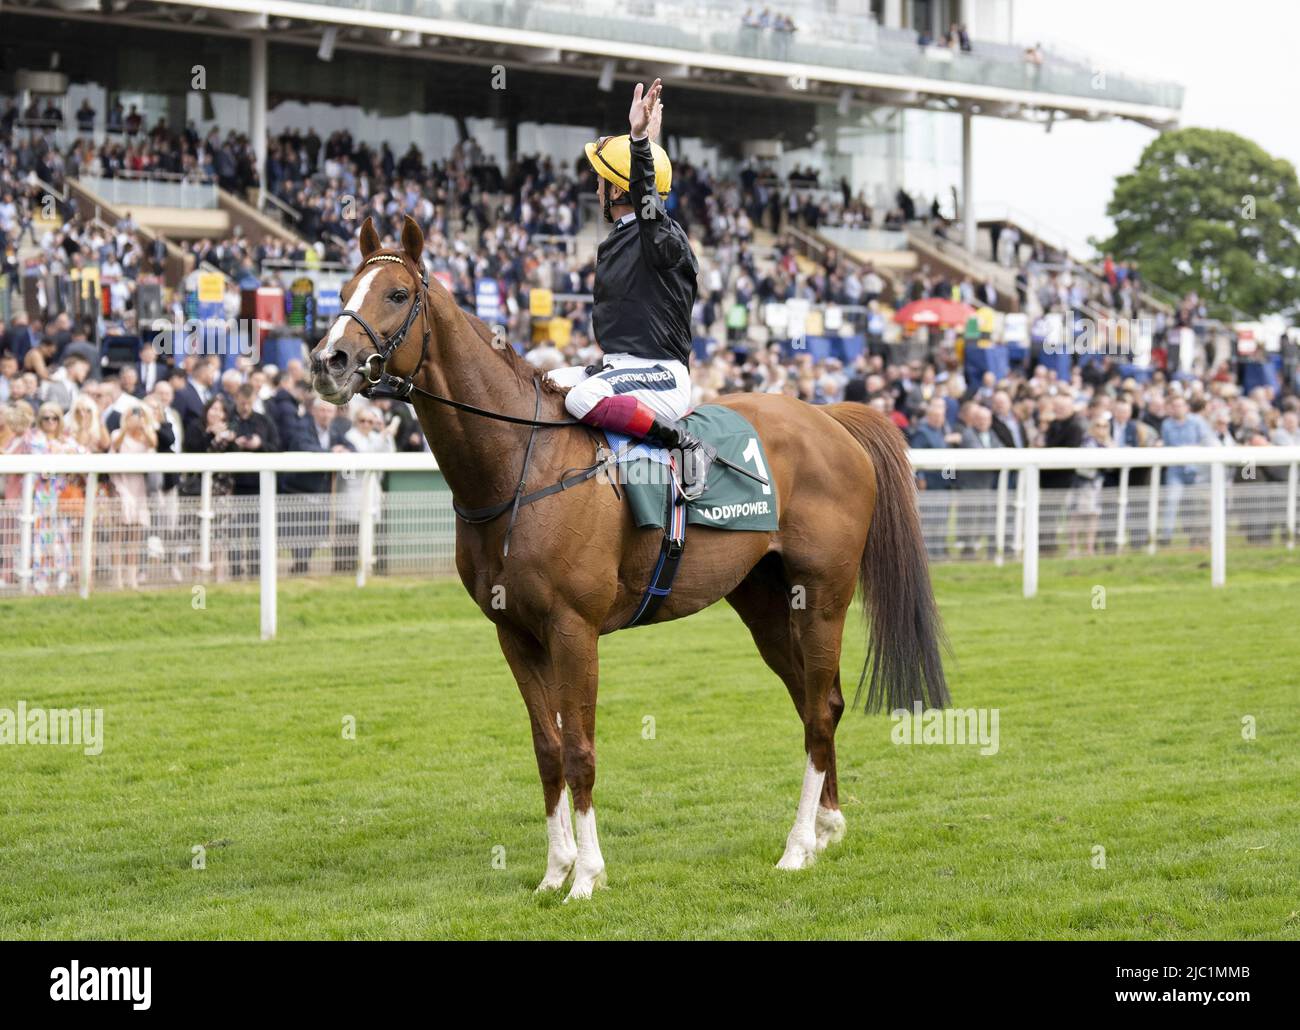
{"x":382,"y":322}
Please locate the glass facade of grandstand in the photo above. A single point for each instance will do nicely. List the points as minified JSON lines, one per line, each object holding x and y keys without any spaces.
{"x":825,"y":37}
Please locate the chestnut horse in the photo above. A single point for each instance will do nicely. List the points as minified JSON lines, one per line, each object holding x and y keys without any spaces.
{"x":577,"y":565}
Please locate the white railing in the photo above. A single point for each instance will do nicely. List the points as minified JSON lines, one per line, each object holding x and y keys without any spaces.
{"x":1029,"y":463}
{"x":128,"y":190}
{"x":1003,"y":517}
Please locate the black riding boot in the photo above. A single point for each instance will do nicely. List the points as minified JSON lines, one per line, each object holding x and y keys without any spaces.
{"x":696,"y":455}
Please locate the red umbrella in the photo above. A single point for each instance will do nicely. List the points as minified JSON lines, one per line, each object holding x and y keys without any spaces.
{"x":933,"y":311}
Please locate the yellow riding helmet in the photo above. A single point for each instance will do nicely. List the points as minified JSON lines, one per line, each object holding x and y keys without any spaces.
{"x":611,"y":158}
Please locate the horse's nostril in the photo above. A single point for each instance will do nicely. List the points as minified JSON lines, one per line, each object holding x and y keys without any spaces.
{"x":337,"y":362}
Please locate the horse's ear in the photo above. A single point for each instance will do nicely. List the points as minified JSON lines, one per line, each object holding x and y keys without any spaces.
{"x":412,"y":240}
{"x":369,"y":239}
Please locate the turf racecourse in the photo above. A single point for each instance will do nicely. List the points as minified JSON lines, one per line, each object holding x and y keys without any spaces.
{"x":1119,"y":728}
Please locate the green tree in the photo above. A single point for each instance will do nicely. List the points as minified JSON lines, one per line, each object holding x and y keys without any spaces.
{"x":1209,"y":211}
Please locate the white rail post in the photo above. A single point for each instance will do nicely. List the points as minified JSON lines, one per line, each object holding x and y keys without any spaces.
{"x":366,"y":531}
{"x":28,"y":521}
{"x":1000,"y":516}
{"x":1153,"y":510}
{"x":88,"y":533}
{"x":1218,"y":523}
{"x":266,"y":538}
{"x":1121,"y":511}
{"x":1018,"y":522}
{"x":1029,"y":477}
{"x":205,"y":523}
{"x":1292,"y":479}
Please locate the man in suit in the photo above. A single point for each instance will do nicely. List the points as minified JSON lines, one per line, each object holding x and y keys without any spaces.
{"x":254,"y":432}
{"x":934,"y":500}
{"x":978,"y":435}
{"x":286,"y":408}
{"x":309,"y":427}
{"x":1060,"y":427}
{"x":192,"y":399}
{"x":1004,"y":424}
{"x":22,"y":336}
{"x":149,"y":371}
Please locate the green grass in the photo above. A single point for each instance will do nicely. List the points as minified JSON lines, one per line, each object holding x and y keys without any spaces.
{"x":1120,"y":728}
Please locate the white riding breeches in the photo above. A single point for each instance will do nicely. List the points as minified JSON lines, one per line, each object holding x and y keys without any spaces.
{"x":662,"y":386}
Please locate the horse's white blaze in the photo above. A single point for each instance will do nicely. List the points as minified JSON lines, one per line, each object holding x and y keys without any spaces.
{"x":801,"y":845}
{"x":356,"y":302}
{"x":589,"y":870}
{"x":561,"y":851}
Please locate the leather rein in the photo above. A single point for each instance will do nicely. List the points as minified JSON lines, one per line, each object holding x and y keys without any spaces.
{"x":375,"y":372}
{"x":374,"y":369}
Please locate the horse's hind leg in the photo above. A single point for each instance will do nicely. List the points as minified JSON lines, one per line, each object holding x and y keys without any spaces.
{"x":763,"y":600}
{"x":818,"y":625}
{"x":531,"y":667}
{"x":830,"y":825}
{"x":766,"y":603}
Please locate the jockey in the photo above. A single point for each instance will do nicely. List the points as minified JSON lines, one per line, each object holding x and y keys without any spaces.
{"x":644,"y":295}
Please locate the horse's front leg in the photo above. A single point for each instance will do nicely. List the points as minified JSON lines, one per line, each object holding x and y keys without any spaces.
{"x":532,"y":669}
{"x":573,"y":647}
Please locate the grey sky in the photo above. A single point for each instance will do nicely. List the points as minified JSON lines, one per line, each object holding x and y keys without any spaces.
{"x":1237,"y":62}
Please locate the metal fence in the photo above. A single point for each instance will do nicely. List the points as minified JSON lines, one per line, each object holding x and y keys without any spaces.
{"x":104,"y":522}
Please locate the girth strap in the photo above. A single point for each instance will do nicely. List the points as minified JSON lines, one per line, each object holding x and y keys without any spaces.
{"x":670,"y":557}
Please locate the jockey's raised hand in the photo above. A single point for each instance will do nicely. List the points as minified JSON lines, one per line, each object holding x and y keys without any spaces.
{"x":644,"y":116}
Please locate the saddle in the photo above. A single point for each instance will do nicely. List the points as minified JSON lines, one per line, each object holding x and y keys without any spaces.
{"x":646,"y":478}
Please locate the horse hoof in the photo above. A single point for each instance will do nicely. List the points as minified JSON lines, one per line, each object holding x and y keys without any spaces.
{"x":797,"y":856}
{"x":584,"y":884}
{"x":830,"y":827}
{"x":557,"y":873}
{"x":552,"y":882}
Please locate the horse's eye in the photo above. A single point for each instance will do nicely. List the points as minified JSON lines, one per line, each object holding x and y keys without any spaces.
{"x":398,"y":296}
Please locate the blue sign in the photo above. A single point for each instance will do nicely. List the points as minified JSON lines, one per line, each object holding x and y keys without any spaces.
{"x":487,"y":300}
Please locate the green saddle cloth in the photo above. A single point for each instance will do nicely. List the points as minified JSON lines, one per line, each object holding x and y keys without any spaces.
{"x":730,"y":501}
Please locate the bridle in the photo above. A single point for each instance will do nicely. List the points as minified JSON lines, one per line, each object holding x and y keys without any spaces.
{"x":375,"y":372}
{"x":374,"y":368}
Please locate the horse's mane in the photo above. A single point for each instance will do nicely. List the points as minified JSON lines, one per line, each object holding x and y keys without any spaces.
{"x":524,"y":371}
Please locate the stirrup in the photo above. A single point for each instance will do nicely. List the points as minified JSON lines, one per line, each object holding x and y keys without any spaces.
{"x":697,"y":459}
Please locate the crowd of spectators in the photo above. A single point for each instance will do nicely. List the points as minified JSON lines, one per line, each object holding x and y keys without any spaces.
{"x":516,"y":226}
{"x":194,"y":407}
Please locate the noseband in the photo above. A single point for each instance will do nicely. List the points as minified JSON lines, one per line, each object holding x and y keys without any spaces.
{"x":374,"y":367}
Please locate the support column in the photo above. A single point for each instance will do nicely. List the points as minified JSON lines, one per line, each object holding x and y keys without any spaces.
{"x":967,"y":204}
{"x":893,"y":14}
{"x":512,"y":138}
{"x":257,"y":90}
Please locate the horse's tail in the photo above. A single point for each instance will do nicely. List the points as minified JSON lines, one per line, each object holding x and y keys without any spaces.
{"x":905,"y":639}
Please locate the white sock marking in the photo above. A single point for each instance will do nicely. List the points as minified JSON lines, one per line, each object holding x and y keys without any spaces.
{"x":801,"y":845}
